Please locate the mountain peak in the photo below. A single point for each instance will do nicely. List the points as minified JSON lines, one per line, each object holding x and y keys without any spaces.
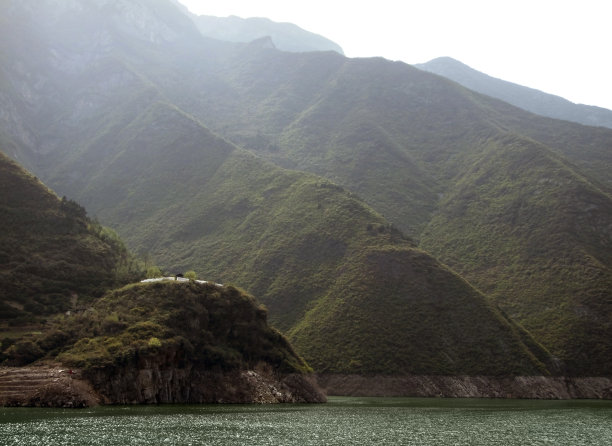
{"x":444,"y":60}
{"x":286,"y":36}
{"x":263,"y":43}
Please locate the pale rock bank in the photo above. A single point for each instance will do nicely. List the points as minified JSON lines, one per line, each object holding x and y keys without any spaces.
{"x":529,"y":387}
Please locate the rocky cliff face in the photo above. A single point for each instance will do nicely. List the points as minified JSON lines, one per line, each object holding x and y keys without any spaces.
{"x":153,"y":382}
{"x":167,"y":342}
{"x":167,"y":379}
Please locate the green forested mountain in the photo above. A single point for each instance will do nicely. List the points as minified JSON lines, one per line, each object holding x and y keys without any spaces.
{"x":526,"y":98}
{"x":398,"y":311}
{"x":296,"y":240}
{"x":52,"y":257}
{"x":519,"y":205}
{"x":534,"y":235}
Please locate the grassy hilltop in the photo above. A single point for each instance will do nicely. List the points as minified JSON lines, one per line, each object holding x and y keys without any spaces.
{"x":219,"y":328}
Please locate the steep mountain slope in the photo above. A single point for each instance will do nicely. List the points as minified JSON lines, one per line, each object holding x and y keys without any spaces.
{"x":536,"y":236}
{"x":526,"y":98}
{"x":398,"y":311}
{"x":294,"y":240}
{"x":347,"y":132}
{"x":393,"y":134}
{"x":52,"y":255}
{"x":288,"y":236}
{"x":403,"y":139}
{"x":70,"y":68}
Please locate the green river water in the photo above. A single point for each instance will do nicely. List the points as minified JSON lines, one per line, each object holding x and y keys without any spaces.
{"x":342,"y":421}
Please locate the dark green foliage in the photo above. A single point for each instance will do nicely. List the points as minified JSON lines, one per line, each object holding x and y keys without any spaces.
{"x":22,"y":353}
{"x":398,"y":311}
{"x":153,"y":271}
{"x":532,"y":233}
{"x":217,"y":327}
{"x":53,"y":256}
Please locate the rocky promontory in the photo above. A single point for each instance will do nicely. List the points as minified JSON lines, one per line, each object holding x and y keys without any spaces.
{"x":57,"y":386}
{"x":163,"y":342}
{"x":158,"y":383}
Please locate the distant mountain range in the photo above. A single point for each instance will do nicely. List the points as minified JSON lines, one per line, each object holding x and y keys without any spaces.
{"x":391,"y":220}
{"x":283,"y":36}
{"x":526,"y":98}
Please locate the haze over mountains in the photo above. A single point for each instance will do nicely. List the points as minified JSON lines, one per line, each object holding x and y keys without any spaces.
{"x":526,"y":98}
{"x":328,"y":187}
{"x":284,"y":36}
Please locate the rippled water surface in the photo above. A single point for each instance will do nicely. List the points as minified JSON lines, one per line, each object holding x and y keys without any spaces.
{"x":342,"y":421}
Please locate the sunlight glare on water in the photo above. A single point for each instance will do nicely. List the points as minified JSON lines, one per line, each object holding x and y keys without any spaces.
{"x":343,"y":421}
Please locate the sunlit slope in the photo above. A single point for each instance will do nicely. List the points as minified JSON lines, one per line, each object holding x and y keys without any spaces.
{"x":407,"y":142}
{"x":398,"y":311}
{"x":296,"y":241}
{"x":191,"y":200}
{"x":529,"y":231}
{"x":392,"y":133}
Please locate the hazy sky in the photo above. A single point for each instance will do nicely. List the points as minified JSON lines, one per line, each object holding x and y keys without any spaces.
{"x":557,"y":46}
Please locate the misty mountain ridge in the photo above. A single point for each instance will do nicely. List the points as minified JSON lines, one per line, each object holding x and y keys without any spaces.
{"x":526,"y":98}
{"x":297,"y":176}
{"x":284,"y":36}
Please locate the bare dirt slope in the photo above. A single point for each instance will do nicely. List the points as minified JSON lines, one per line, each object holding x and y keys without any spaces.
{"x":45,"y":386}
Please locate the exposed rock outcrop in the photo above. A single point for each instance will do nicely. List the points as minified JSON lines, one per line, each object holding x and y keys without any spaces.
{"x":56,"y":386}
{"x":531,"y":387}
{"x":155,"y":382}
{"x":162,"y":342}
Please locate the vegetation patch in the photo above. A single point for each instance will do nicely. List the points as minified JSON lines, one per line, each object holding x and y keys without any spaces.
{"x":54,"y":258}
{"x":217,"y":328}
